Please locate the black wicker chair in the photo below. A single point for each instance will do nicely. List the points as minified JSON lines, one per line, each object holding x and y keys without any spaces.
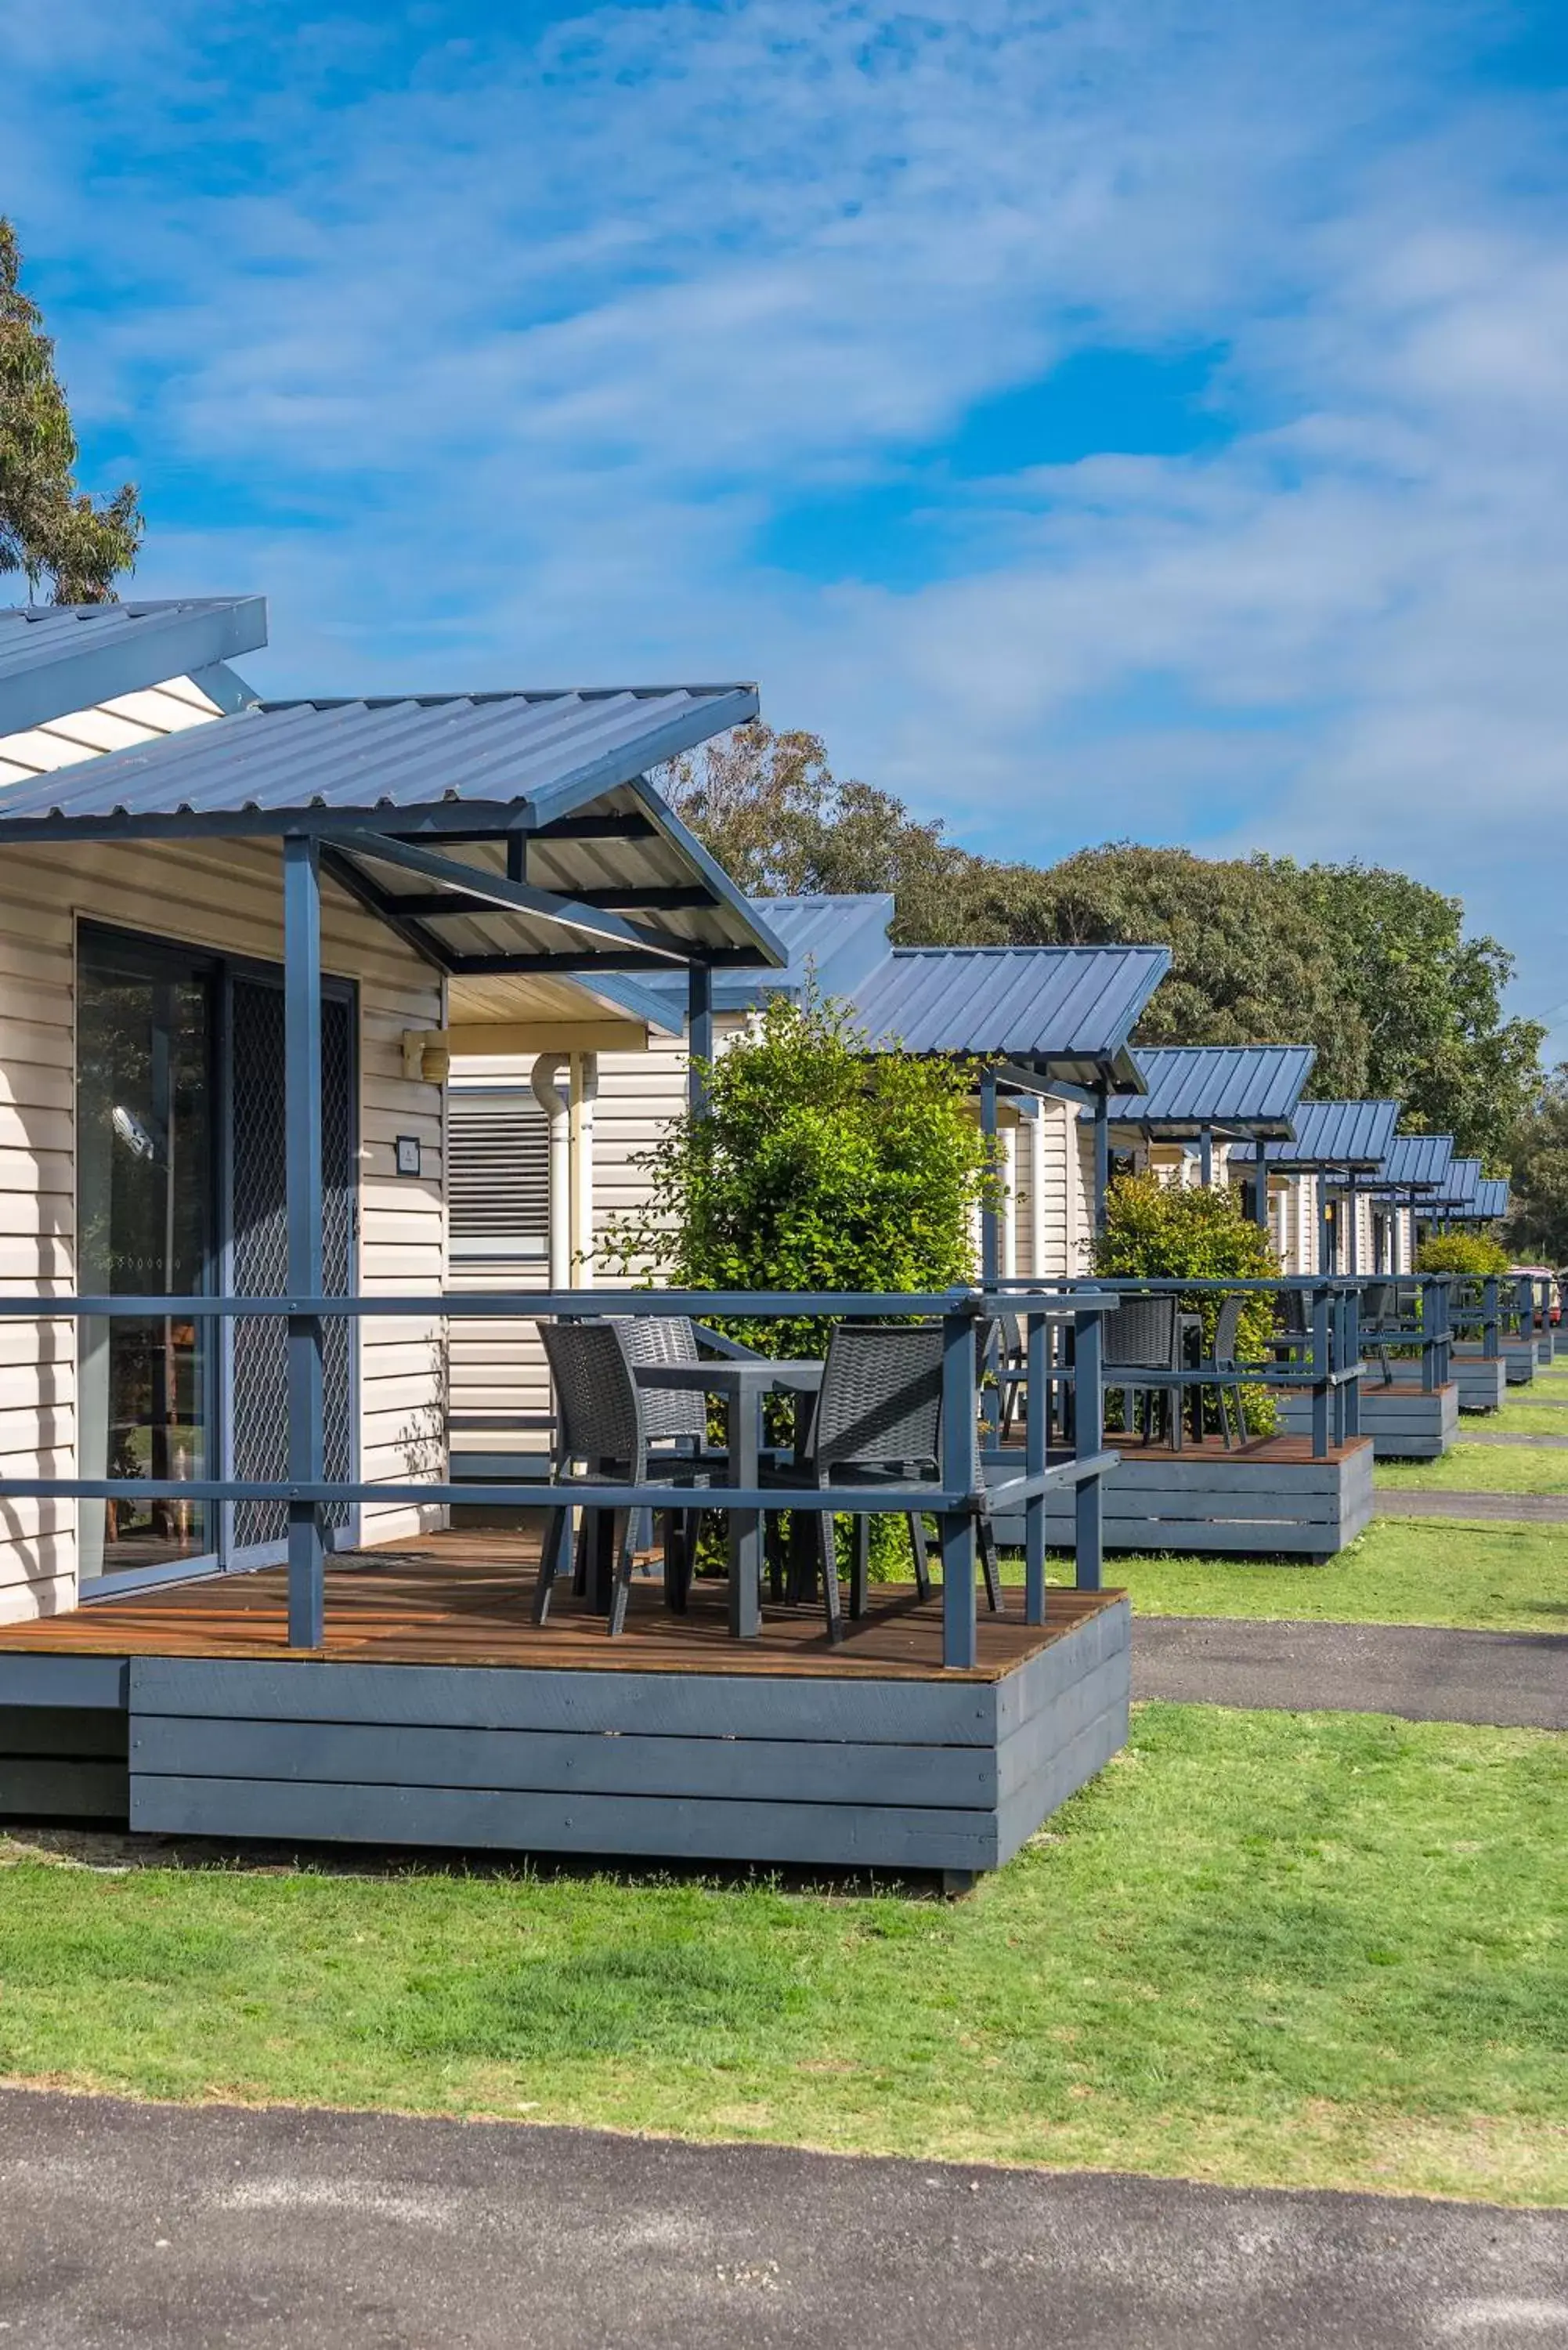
{"x":602,"y":1419}
{"x":1378,"y":1316}
{"x":878,"y":1421}
{"x":1223,"y":1371}
{"x":1142,"y":1356}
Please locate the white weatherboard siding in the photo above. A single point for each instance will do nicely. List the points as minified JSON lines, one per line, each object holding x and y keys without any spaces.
{"x":225,"y":896}
{"x":1067,"y":1219}
{"x":498,"y":1373}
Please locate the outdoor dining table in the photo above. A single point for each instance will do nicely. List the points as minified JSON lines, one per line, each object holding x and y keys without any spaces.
{"x":743,"y":1382}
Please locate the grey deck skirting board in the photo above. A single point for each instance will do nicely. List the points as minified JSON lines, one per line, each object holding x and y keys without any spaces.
{"x":813,"y":1768}
{"x":93,"y":1682}
{"x":1421,"y":1672}
{"x":1482,"y":1384}
{"x":1221,"y":1505}
{"x":1523,"y":1509}
{"x":1403,"y":1422}
{"x":1517,"y":1356}
{"x":63,"y":1762}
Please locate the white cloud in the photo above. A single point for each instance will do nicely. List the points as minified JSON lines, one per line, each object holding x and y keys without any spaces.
{"x":508,"y":358}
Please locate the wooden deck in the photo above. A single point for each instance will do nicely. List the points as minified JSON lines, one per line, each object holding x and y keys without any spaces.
{"x":438,"y":1714}
{"x":459,"y":1598}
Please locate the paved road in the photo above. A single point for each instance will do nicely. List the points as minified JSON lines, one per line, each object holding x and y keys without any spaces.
{"x":161,"y":2229}
{"x":1495,"y":1436}
{"x":1422,"y":1672}
{"x":1524,"y":1509}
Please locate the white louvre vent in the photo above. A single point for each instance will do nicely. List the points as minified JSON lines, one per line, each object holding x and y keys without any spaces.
{"x":498,"y":1158}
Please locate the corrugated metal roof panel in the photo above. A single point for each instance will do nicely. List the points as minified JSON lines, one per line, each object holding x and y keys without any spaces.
{"x":1338,"y":1134}
{"x":837,"y":941}
{"x":283,"y":759}
{"x":470,"y":762}
{"x":1463,"y":1181}
{"x":1491,"y":1198}
{"x":1418,"y":1158}
{"x":57,"y":658}
{"x":1062,"y":1011}
{"x":1250,"y":1088}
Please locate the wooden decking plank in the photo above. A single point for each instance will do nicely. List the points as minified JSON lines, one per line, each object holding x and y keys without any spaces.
{"x":463,"y":1599}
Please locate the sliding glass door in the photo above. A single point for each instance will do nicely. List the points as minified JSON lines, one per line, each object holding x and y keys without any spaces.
{"x":146,"y":1198}
{"x":180,"y":1126}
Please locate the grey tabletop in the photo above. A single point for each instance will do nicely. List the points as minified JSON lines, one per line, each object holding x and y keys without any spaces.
{"x":731,"y":1372}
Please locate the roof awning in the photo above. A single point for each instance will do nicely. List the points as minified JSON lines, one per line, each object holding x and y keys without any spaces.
{"x":57,"y":658}
{"x":1038,"y":1015}
{"x":498,"y":834}
{"x":1491,"y":1199}
{"x":1338,"y":1138}
{"x":1417,"y":1163}
{"x":1245,"y":1090}
{"x":1461,"y":1192}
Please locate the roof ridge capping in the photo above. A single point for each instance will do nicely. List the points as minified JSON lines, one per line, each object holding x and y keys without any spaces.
{"x":502,"y":693}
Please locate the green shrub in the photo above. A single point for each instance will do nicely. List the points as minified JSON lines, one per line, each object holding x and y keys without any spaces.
{"x":1461,"y":1252}
{"x":818,"y":1166}
{"x":1158,"y":1232}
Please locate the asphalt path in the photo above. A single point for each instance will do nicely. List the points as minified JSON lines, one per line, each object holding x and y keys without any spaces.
{"x":1521,"y":1509}
{"x":1493,"y":1435}
{"x":1423,"y":1672}
{"x":187,"y":2229}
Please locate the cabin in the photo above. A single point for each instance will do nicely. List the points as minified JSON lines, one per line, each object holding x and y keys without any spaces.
{"x":241,"y":941}
{"x":1049,"y":1025}
{"x":1206,"y":1116}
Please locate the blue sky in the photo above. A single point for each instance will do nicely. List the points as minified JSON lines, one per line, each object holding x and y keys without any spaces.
{"x":1114,"y":418}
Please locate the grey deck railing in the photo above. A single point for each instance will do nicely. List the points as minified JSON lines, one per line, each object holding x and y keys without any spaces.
{"x":954,"y":1501}
{"x":1426,"y":1328}
{"x":1329,"y":1359}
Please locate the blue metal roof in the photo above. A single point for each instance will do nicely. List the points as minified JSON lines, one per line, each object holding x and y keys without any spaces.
{"x":265,"y":768}
{"x":1060,"y":1012}
{"x":1421,"y":1161}
{"x":1250,"y":1089}
{"x":1351,"y":1137}
{"x":57,"y":658}
{"x":1461,"y":1188}
{"x":836,"y":942}
{"x":1491,"y":1198}
{"x":384,"y":782}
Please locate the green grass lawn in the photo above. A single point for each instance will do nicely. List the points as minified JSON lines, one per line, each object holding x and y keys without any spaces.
{"x":1492,"y":1578}
{"x":1478,"y":1469}
{"x":1539,"y":1417}
{"x":1305,"y":1950}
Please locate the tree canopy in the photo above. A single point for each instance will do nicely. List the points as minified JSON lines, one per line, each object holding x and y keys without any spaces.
{"x":50,"y":531}
{"x":1368,"y":965}
{"x":1537,"y":1227}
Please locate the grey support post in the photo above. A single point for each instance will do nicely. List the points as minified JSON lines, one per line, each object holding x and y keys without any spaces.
{"x":1102,"y":1159}
{"x":699,"y":1036}
{"x":1261,"y":1185}
{"x":1206,"y":1156}
{"x":959,"y":1469}
{"x":990,"y":1237}
{"x":1088,"y":1438}
{"x":302,"y":1098}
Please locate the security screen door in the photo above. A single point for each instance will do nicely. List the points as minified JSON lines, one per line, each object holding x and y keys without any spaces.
{"x":180,"y":1183}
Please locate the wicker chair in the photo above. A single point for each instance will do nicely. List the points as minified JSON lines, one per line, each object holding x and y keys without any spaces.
{"x":1223,"y":1370}
{"x":1378,"y":1315}
{"x":602,"y":1419}
{"x":878,"y":1422}
{"x":1142,"y":1356}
